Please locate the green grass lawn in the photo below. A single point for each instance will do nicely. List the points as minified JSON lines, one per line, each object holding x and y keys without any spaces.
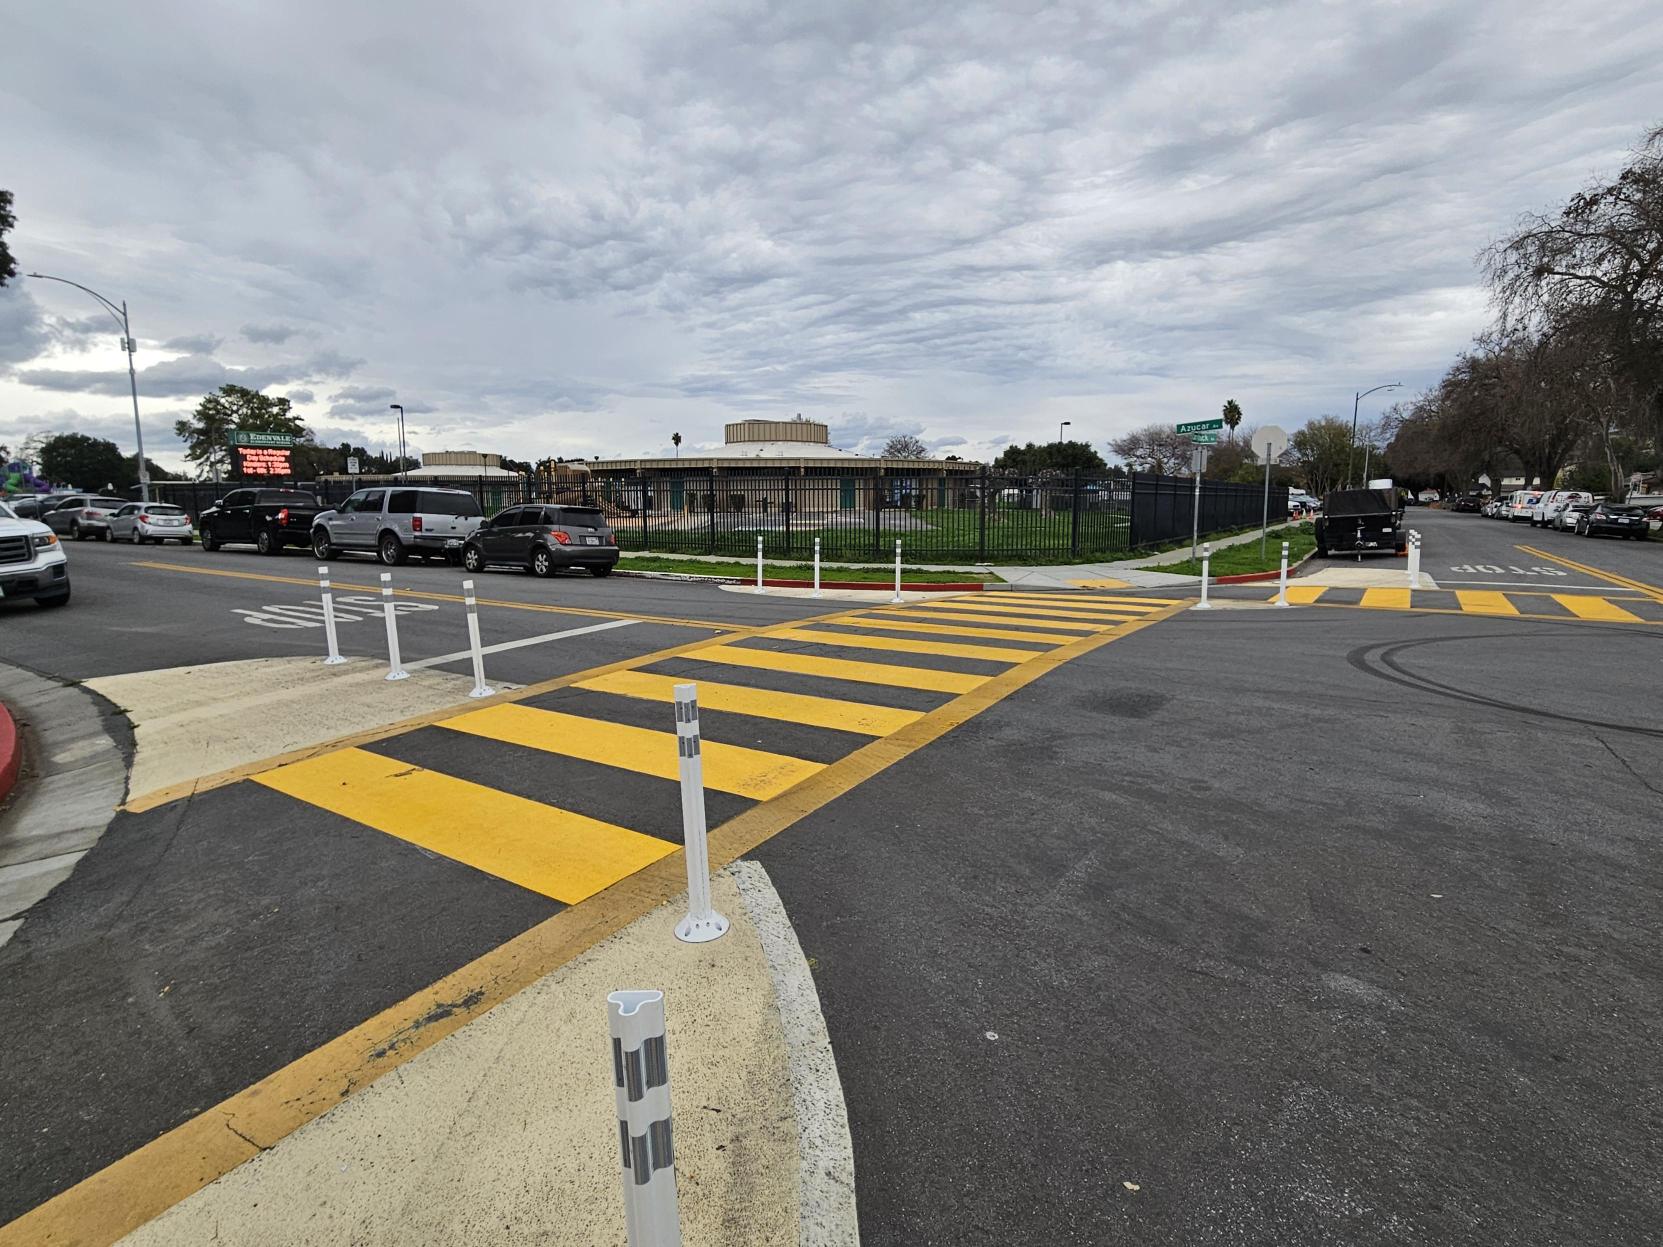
{"x":792,"y":571}
{"x":1241,"y":559}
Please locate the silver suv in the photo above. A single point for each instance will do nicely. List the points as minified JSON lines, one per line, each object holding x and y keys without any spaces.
{"x":396,"y":521}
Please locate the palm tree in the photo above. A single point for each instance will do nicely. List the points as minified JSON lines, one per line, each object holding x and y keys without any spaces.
{"x":676,"y":438}
{"x":1232,"y":416}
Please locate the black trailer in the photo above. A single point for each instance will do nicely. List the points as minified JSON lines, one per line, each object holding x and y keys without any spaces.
{"x":1361,"y":521}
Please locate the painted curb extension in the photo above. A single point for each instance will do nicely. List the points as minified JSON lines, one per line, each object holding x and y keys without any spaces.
{"x":11,"y":753}
{"x":880,"y":586}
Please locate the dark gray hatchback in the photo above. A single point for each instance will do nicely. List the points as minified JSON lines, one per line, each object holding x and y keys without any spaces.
{"x":544,"y":538}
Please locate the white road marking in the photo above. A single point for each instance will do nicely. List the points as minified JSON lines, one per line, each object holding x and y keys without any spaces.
{"x":351,"y":608}
{"x":522,"y":643}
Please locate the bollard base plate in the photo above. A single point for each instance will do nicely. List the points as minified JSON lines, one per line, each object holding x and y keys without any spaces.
{"x":1202,"y":606}
{"x":484,"y":690}
{"x":335,"y":661}
{"x":398,"y":675}
{"x":691,"y":930}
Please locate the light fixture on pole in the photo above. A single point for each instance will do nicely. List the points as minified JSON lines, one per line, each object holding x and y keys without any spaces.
{"x":132,"y":377}
{"x":399,"y":407}
{"x":1351,"y":454}
{"x":1061,"y":427}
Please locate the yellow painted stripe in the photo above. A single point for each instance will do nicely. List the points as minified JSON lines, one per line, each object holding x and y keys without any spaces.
{"x":1590,"y":607}
{"x":840,"y":669}
{"x":541,"y":847}
{"x":1611,"y":578}
{"x":944,"y":649}
{"x":744,"y":772}
{"x":1039,"y":614}
{"x":1485,"y":602}
{"x":930,"y":629}
{"x":968,"y":616}
{"x":761,"y":703}
{"x":1303,"y":595}
{"x":1075,"y":602}
{"x":1386,"y":599}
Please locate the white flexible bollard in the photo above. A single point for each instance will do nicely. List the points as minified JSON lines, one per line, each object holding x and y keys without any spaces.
{"x":641,"y":1090}
{"x":395,"y":667}
{"x":702,"y":923}
{"x":1206,"y":574}
{"x":897,"y":596}
{"x":1282,"y":581}
{"x":329,"y":619}
{"x":759,"y":585}
{"x":1414,"y":559}
{"x":817,"y":567}
{"x":480,"y":688}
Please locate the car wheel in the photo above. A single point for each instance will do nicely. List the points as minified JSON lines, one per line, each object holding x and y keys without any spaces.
{"x":600,"y":571}
{"x":320,"y":545}
{"x":75,"y":531}
{"x":542,"y":562}
{"x":56,"y":599}
{"x":104,"y":536}
{"x":265,"y":541}
{"x":473,"y":558}
{"x":210,"y":543}
{"x":390,"y":550}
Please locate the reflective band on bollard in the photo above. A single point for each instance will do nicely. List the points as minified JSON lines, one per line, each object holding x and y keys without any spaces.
{"x":759,"y":585}
{"x":1282,"y":582}
{"x":897,"y":596}
{"x":480,"y":688}
{"x":817,"y":567}
{"x":702,"y":923}
{"x":1206,"y":573}
{"x":641,"y":1087}
{"x":329,"y":618}
{"x":395,"y":668}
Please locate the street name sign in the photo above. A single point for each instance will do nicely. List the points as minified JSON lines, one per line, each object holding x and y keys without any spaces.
{"x":1204,"y":439}
{"x":1202,"y":426}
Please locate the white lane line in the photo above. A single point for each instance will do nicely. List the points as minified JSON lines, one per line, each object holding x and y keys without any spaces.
{"x":522,"y":642}
{"x":1538,"y":584}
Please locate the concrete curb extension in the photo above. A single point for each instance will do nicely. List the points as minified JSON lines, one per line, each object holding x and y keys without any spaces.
{"x":826,"y":1178}
{"x":11,"y":753}
{"x":78,"y":745}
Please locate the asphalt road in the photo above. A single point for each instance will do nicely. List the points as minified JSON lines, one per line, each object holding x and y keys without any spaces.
{"x":1254,"y":926}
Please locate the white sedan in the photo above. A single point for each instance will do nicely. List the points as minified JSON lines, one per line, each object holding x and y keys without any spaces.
{"x":140,"y":522}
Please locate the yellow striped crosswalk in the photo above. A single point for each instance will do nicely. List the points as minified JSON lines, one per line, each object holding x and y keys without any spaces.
{"x":569,"y":856}
{"x":1589,"y":607}
{"x":1485,"y":602}
{"x":1386,"y":599}
{"x":1495,"y":603}
{"x":541,"y":847}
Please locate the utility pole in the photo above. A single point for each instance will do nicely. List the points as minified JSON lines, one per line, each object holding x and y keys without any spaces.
{"x":399,"y":407}
{"x":1351,"y":454}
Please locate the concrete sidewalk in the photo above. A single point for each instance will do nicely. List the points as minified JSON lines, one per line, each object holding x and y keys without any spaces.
{"x":505,"y":1132}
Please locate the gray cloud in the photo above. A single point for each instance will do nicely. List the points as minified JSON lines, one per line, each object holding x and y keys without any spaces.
{"x":194,"y":343}
{"x":273,"y":334}
{"x":301,"y":396}
{"x":976,"y":219}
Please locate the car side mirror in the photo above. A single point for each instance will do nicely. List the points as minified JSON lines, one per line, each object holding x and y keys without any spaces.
{"x":218,"y":502}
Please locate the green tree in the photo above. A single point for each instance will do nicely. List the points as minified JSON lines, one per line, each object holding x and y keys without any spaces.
{"x":8,"y":266}
{"x":84,"y":462}
{"x":1322,"y":452}
{"x":207,"y":434}
{"x":1232,"y":416}
{"x":1032,"y":459}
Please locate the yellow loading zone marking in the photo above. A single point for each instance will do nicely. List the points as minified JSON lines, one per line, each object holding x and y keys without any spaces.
{"x":829,"y":712}
{"x":551,"y":851}
{"x":744,"y":772}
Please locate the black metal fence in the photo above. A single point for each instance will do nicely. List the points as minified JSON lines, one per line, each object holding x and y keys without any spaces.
{"x":979,"y":516}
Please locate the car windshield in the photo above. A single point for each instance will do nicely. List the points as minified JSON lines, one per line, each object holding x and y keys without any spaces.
{"x":6,"y":512}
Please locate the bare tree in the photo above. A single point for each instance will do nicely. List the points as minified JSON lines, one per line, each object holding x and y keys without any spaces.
{"x":1154,"y":448}
{"x":905,"y":446}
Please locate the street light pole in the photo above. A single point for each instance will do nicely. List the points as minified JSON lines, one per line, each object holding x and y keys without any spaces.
{"x":120,"y":315}
{"x":399,"y":407}
{"x":1351,"y":454}
{"x":1061,"y":427}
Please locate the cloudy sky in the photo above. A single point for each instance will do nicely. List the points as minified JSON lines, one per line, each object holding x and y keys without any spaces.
{"x":574,"y":229}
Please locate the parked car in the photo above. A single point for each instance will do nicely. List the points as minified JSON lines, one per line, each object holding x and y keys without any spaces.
{"x":140,"y":522}
{"x":1568,"y":518}
{"x":1654,"y":517}
{"x":34,"y":506}
{"x":1613,"y":518}
{"x":395,"y":522}
{"x":1468,"y":502}
{"x":1552,"y":503}
{"x":1360,"y":521}
{"x":544,"y":538}
{"x":80,"y":516}
{"x":267,"y":519}
{"x":1522,"y":505}
{"x":32,"y":561}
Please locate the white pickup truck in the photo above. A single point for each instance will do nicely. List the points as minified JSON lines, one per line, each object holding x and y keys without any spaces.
{"x":32,"y":561}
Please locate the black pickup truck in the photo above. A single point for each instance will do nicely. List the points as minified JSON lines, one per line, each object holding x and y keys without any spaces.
{"x":267,"y":519}
{"x":1361,"y":521}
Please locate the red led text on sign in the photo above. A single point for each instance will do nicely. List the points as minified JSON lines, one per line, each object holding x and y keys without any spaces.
{"x":262,"y":461}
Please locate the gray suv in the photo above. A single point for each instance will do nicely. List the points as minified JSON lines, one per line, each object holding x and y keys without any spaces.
{"x":395,"y":521}
{"x":544,"y":538}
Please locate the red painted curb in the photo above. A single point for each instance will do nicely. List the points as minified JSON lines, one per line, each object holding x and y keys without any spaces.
{"x":11,"y":753}
{"x":1245,"y":578}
